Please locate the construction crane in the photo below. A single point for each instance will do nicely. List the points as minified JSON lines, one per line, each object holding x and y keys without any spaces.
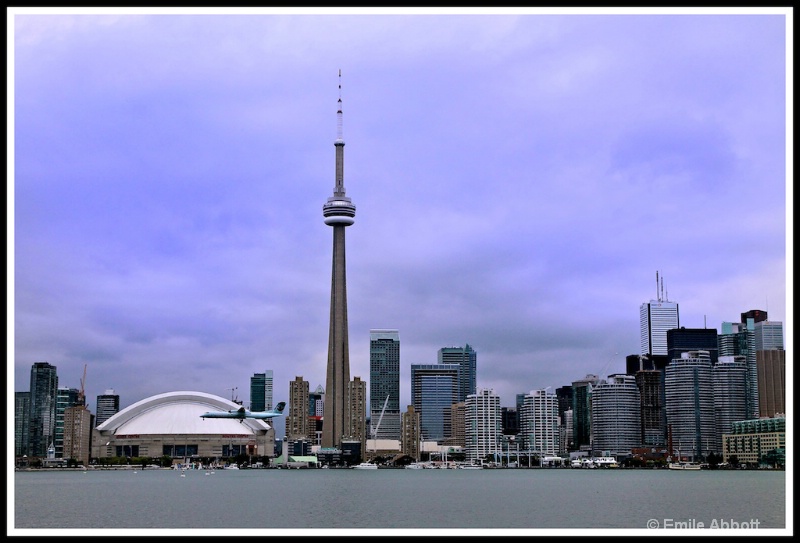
{"x":82,"y":392}
{"x":375,"y":428}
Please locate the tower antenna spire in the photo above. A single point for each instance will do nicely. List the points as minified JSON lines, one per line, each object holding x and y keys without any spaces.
{"x":339,"y":110}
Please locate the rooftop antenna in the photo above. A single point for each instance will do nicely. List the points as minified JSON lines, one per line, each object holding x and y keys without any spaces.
{"x":657,"y":298}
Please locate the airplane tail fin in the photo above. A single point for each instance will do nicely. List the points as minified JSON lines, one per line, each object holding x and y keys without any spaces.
{"x":279,"y":407}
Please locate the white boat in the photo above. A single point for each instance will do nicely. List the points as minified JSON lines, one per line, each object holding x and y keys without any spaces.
{"x":414,"y":465}
{"x":366,"y":465}
{"x":684,"y":465}
{"x":231,"y":466}
{"x":470,"y":466}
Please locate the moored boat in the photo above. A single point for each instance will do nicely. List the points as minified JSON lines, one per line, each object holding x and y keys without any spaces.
{"x":366,"y":465}
{"x":684,"y":466}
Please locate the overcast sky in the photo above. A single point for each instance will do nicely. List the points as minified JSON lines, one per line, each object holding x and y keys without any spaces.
{"x":519,"y":179}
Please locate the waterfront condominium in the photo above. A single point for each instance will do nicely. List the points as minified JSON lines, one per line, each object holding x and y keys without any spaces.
{"x":581,"y":412}
{"x":65,"y":397}
{"x":107,"y":406}
{"x":261,"y":391}
{"x":339,"y":212}
{"x":730,"y":381}
{"x":483,"y":426}
{"x":538,"y":423}
{"x":467,"y":360}
{"x":434,"y":388}
{"x":297,"y":412}
{"x":410,"y":433}
{"x":42,"y":423}
{"x":384,"y":384}
{"x":653,"y":415}
{"x":22,"y":408}
{"x":356,"y":413}
{"x":616,"y":415}
{"x":689,"y":395}
{"x":737,"y":339}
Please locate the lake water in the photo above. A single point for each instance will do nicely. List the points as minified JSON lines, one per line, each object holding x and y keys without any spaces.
{"x":326,"y":500}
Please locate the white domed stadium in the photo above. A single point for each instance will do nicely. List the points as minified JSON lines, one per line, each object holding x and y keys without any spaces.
{"x":170,"y":424}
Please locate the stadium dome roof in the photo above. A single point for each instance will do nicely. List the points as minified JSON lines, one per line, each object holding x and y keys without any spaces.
{"x":179,"y":413}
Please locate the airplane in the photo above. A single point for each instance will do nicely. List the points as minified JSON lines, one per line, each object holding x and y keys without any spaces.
{"x":243,"y":413}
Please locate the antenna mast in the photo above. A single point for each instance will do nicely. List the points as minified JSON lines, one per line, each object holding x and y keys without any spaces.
{"x":339,"y":110}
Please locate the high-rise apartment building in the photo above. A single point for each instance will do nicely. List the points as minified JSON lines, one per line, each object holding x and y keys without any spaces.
{"x":42,"y":424}
{"x":384,"y":383}
{"x":582,"y":411}
{"x":77,"y":434}
{"x":653,"y":416}
{"x":689,"y":394}
{"x":107,"y":406}
{"x":729,"y":376}
{"x":739,"y":339}
{"x":339,"y":212}
{"x":410,"y":433}
{"x":434,"y":388}
{"x":261,"y":391}
{"x":65,"y":398}
{"x":22,"y":415}
{"x":297,"y":415}
{"x":656,"y":317}
{"x":356,"y":413}
{"x":467,"y":360}
{"x":483,"y":426}
{"x":771,"y":382}
{"x":616,"y":415}
{"x":539,"y":423}
{"x":458,"y":421}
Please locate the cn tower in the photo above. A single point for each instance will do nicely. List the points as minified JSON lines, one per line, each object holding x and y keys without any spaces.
{"x":339,"y":213}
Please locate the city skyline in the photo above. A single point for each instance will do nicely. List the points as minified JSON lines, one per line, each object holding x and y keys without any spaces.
{"x":520,"y":180}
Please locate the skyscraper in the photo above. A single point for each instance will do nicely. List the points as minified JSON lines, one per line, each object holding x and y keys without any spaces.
{"x":729,"y":380}
{"x":539,"y":423}
{"x":261,"y":391}
{"x":65,"y":397}
{"x":22,"y":408}
{"x":682,"y":340}
{"x":483,"y":426}
{"x":356,"y":413}
{"x":339,"y":213}
{"x":384,"y":383}
{"x":581,"y":411}
{"x":107,"y":406}
{"x":434,"y":388}
{"x":689,"y":392}
{"x":771,"y":382}
{"x":467,"y":360}
{"x":616,"y":415}
{"x":655,"y":318}
{"x":740,"y":339}
{"x":768,"y":335}
{"x":42,"y":425}
{"x":297,"y":417}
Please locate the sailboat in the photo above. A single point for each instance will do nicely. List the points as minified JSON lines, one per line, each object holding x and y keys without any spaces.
{"x":683,"y":465}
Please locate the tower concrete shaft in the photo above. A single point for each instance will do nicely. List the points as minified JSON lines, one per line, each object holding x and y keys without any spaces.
{"x":339,"y":212}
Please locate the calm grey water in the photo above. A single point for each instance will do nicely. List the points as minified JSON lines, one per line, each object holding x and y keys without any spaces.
{"x":395,"y":499}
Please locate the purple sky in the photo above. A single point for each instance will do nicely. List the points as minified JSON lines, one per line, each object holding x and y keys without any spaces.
{"x":519,"y":179}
